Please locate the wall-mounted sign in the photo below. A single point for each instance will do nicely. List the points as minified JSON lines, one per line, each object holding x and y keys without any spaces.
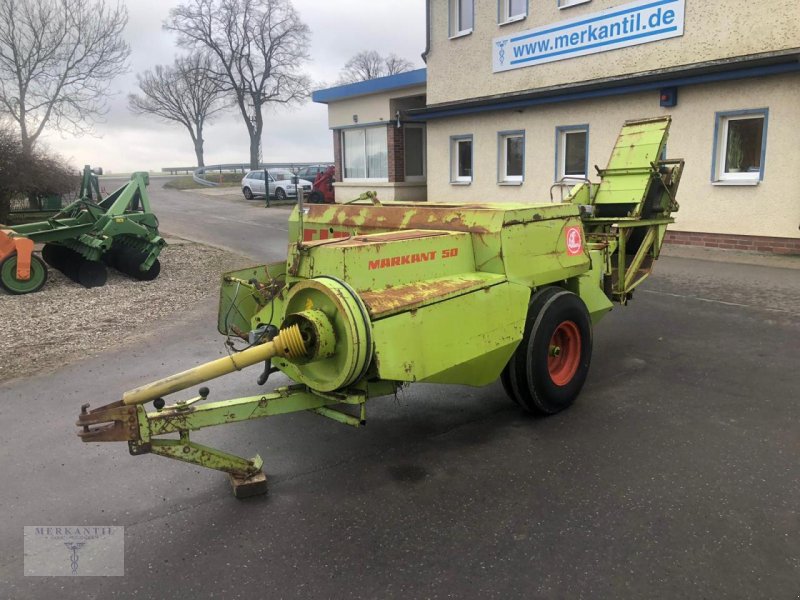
{"x":627,"y":25}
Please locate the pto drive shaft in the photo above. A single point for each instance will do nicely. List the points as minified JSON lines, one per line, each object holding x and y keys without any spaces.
{"x":288,"y":344}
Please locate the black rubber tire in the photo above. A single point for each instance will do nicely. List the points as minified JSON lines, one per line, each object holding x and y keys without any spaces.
{"x":280,"y":194}
{"x":531,"y":383}
{"x":316,"y":197}
{"x":38,"y":267}
{"x":248,"y":194}
{"x":508,"y":388}
{"x":92,"y":274}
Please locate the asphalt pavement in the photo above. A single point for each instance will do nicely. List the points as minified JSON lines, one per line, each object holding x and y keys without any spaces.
{"x":675,"y":474}
{"x":232,"y":222}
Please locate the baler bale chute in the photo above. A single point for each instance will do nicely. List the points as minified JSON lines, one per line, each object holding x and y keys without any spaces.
{"x":375,"y":296}
{"x":89,"y":234}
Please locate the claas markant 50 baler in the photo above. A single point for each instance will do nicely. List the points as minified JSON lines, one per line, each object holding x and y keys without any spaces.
{"x":373,"y":296}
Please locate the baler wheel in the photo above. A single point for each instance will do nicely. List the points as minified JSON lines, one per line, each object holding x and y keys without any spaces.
{"x":508,"y":387}
{"x":564,"y":353}
{"x":8,"y":276}
{"x":549,"y":367}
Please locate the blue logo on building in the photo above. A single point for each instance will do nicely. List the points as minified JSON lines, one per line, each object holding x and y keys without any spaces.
{"x":502,"y":53}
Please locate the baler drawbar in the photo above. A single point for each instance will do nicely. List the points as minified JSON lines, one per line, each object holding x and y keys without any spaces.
{"x":375,"y":296}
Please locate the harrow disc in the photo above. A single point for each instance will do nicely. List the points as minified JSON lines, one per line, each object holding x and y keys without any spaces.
{"x":88,"y":273}
{"x":128,"y":260}
{"x":92,"y":274}
{"x":55,"y":256}
{"x":151,"y":273}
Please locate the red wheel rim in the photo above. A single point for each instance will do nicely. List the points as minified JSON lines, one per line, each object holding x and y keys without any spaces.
{"x":564,"y":353}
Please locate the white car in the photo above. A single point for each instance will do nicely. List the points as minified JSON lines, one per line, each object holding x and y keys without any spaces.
{"x":280,"y":184}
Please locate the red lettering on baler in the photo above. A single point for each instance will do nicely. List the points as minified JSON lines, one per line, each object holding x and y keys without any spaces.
{"x":405,"y":259}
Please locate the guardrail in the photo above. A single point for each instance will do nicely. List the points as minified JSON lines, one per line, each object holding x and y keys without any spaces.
{"x":198,"y":172}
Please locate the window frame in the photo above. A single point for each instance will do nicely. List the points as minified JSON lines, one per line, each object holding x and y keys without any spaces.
{"x":569,"y":3}
{"x":504,"y":16}
{"x":561,"y":156}
{"x":424,"y":176}
{"x":452,"y":18}
{"x":719,"y":151}
{"x":455,"y":178}
{"x":503,"y":178}
{"x":343,"y":147}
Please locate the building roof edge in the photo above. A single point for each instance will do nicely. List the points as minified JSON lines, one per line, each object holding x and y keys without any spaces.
{"x":371,"y":86}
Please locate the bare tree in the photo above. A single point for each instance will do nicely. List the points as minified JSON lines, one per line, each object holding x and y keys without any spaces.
{"x":395,"y":65}
{"x":186,"y":93}
{"x":368,"y":64}
{"x":258,"y":47}
{"x":57,"y":58}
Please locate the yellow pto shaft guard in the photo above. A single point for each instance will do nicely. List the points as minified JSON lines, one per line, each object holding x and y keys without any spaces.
{"x":287,"y":344}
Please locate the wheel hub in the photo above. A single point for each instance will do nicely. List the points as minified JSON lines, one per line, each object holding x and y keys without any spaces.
{"x":564,"y":353}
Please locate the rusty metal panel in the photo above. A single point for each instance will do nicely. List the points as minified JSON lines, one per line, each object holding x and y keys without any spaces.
{"x":322,"y":222}
{"x":395,"y":299}
{"x":373,"y":262}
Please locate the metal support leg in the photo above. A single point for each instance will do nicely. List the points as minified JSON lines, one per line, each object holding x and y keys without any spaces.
{"x":246,"y":476}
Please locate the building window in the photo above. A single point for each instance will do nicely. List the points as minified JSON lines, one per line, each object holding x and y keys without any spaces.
{"x":461,"y":17}
{"x":511,"y":154}
{"x":572,"y":152}
{"x":512,"y":10}
{"x":461,"y":159}
{"x":414,"y":158}
{"x":740,"y":142}
{"x":568,"y":3}
{"x":365,"y":153}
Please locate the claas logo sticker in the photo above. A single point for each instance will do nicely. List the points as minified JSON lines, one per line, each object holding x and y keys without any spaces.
{"x":574,"y":241}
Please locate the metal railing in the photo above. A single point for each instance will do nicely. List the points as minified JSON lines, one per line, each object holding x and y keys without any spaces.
{"x":199,"y":172}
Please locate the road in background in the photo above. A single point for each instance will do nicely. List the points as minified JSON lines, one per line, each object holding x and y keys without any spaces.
{"x":231,"y":222}
{"x":674,"y":475}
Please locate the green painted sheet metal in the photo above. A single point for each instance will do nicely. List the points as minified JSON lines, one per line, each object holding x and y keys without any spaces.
{"x":240,"y":300}
{"x":429,"y":344}
{"x":536,"y":253}
{"x":628,"y":172}
{"x":397,"y":258}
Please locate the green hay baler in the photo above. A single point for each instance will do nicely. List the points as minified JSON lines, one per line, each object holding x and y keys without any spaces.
{"x":376,"y":296}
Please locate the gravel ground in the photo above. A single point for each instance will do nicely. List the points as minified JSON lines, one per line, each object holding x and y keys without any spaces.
{"x":66,"y":322}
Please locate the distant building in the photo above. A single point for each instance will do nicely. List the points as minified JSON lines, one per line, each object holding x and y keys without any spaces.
{"x":522,"y":98}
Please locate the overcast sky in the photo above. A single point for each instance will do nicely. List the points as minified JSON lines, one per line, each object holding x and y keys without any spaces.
{"x":339,"y":29}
